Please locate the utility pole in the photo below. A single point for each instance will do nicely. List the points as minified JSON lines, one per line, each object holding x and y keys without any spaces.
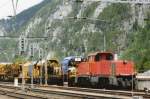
{"x":32,"y":65}
{"x":41,"y":67}
{"x":15,"y":12}
{"x":22,"y":41}
{"x":104,"y":42}
{"x":14,"y":6}
{"x":23,"y":80}
{"x":21,"y":52}
{"x":132,"y":85}
{"x":46,"y":75}
{"x":45,"y":63}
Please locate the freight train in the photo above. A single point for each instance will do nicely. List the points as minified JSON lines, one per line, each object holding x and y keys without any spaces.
{"x":101,"y":70}
{"x":98,"y":70}
{"x":8,"y":71}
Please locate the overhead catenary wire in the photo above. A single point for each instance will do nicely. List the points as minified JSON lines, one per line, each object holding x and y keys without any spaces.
{"x":14,"y":9}
{"x":17,"y":37}
{"x":15,"y":6}
{"x":146,"y":2}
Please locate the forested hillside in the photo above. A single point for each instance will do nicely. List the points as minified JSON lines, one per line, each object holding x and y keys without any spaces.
{"x":79,"y":28}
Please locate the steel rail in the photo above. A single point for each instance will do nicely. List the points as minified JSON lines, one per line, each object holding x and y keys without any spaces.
{"x":44,"y":92}
{"x":105,"y":91}
{"x":98,"y":91}
{"x":69,"y":93}
{"x":11,"y":92}
{"x":19,"y":95}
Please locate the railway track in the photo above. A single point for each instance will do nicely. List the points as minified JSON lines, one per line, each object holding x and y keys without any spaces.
{"x":85,"y":92}
{"x":15,"y":93}
{"x":105,"y":91}
{"x":57,"y":91}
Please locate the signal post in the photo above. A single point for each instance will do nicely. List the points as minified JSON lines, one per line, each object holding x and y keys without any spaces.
{"x":46,"y":75}
{"x":32,"y":65}
{"x":22,"y":43}
{"x":41,"y":67}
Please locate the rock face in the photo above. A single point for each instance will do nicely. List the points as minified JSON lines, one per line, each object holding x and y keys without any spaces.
{"x":2,"y":31}
{"x":70,"y":36}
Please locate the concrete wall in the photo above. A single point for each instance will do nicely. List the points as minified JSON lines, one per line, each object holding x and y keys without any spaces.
{"x":143,"y":84}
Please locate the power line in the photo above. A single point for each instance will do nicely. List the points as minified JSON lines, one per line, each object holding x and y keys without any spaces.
{"x":17,"y":4}
{"x":14,"y":8}
{"x":17,"y":37}
{"x":87,"y":18}
{"x":119,"y":1}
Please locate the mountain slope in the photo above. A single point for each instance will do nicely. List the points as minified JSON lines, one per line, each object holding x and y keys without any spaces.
{"x":121,"y":25}
{"x":22,"y":17}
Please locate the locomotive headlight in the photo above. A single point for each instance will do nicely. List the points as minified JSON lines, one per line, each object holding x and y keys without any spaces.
{"x":78,"y":59}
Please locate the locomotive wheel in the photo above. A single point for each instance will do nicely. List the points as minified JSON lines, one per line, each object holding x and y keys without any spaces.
{"x":123,"y":84}
{"x":2,"y":78}
{"x":60,"y":82}
{"x":103,"y":83}
{"x":83,"y":82}
{"x":20,"y":80}
{"x":71,"y":82}
{"x":5,"y":78}
{"x":36,"y":81}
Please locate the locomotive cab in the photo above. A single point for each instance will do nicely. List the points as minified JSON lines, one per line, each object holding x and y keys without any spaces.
{"x":101,"y":56}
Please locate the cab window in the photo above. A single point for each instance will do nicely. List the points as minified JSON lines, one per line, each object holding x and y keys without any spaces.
{"x":97,"y":57}
{"x":109,"y":57}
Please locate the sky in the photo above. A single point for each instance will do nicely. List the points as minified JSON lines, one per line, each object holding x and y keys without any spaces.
{"x":6,"y":8}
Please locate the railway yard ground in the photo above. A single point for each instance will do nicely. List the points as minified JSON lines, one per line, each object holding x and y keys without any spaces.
{"x":9,"y":91}
{"x":6,"y":97}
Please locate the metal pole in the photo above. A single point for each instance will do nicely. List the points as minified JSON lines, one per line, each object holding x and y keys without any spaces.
{"x":41,"y":65}
{"x":46,"y":71}
{"x":23,"y":81}
{"x":132,"y":85}
{"x":46,"y":45}
{"x":32,"y":66}
{"x":104,"y":42}
{"x":46,"y":75}
{"x":41,"y":68}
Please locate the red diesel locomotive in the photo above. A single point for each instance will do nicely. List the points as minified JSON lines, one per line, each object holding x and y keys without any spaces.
{"x":102,"y":70}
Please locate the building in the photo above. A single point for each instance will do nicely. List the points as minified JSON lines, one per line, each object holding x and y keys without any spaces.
{"x":143,"y":80}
